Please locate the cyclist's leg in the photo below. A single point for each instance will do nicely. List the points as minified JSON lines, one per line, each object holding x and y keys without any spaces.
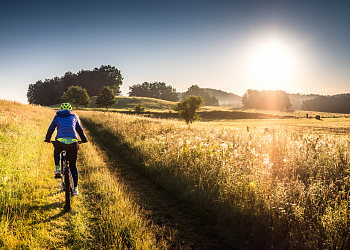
{"x":57,"y":157}
{"x":75,"y":173}
{"x":72,"y":156}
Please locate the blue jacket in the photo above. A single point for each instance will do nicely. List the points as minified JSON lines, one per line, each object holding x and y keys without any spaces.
{"x":67,"y":125}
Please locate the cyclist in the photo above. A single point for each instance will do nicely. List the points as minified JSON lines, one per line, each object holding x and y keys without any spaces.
{"x":67,"y":125}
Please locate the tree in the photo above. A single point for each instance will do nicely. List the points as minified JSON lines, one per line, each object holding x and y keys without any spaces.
{"x":44,"y":93}
{"x":266,"y":99}
{"x":106,"y":98}
{"x":94,"y":80}
{"x":195,"y":90}
{"x":251,"y":99}
{"x":139,"y":109}
{"x":187,"y":108}
{"x":77,"y":95}
{"x":158,"y":90}
{"x":50,"y":91}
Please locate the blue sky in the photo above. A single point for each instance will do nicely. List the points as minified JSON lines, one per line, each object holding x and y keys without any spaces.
{"x":296,"y":46}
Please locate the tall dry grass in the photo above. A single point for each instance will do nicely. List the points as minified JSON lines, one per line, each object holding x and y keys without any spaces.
{"x":24,"y":183}
{"x":32,"y":207}
{"x":118,"y":223}
{"x":284,"y":188}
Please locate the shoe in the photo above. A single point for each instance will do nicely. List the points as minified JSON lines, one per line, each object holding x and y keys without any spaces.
{"x":76,"y":192}
{"x":58,"y":176}
{"x":58,"y":172}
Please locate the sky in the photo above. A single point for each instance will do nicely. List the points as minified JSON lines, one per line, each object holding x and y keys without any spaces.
{"x":295,"y":46}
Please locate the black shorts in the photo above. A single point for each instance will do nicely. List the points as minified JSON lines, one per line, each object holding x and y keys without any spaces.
{"x":72,"y":150}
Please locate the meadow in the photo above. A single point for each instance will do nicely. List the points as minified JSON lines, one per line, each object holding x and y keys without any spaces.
{"x":271,"y":183}
{"x":103,"y":216}
{"x":280,"y":183}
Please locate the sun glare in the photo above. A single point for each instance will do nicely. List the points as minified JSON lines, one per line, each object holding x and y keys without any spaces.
{"x":271,"y":66}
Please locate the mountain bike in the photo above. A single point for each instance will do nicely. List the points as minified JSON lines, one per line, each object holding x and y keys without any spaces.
{"x":67,"y":183}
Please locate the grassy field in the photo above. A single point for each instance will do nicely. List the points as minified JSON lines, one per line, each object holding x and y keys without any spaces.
{"x":280,"y":183}
{"x":103,"y":216}
{"x":276,"y":183}
{"x":164,"y":109}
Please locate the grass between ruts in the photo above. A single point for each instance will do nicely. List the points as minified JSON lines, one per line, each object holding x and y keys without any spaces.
{"x":32,"y":208}
{"x":283,"y":186}
{"x":117,"y":221}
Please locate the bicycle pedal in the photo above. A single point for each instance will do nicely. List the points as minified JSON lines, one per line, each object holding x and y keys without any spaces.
{"x":58,"y":176}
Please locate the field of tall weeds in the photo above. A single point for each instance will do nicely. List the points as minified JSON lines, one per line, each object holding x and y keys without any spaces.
{"x":280,"y":186}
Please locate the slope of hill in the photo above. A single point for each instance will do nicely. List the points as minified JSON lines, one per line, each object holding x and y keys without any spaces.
{"x":225,"y":99}
{"x":297,"y":99}
{"x":128,"y":103}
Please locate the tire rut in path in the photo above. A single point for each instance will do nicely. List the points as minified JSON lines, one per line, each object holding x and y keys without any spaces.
{"x":179,"y":223}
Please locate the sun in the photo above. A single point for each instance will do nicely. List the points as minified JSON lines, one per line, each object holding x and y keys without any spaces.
{"x":271,"y":66}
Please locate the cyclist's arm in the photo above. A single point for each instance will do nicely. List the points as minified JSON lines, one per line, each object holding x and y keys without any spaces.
{"x":51,"y":130}
{"x":80,"y":131}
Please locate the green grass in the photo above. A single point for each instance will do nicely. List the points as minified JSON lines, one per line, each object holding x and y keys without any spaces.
{"x":128,"y":103}
{"x":32,"y":208}
{"x":282,"y":184}
{"x":28,"y":199}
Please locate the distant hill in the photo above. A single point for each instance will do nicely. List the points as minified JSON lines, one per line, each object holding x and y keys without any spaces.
{"x":297,"y":99}
{"x":226,"y":99}
{"x":235,"y":101}
{"x":232,"y":100}
{"x":331,"y":103}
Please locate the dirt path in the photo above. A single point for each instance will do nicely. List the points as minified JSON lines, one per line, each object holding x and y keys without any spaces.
{"x":179,"y":223}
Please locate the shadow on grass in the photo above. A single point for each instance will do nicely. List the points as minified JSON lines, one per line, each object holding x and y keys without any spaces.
{"x":40,"y":210}
{"x":199,"y":216}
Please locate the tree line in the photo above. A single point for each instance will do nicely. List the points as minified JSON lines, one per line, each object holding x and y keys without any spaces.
{"x":333,"y":104}
{"x":157,"y":90}
{"x":50,"y":91}
{"x":160,"y":90}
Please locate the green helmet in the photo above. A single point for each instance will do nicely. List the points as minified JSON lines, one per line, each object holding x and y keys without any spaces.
{"x":66,"y":105}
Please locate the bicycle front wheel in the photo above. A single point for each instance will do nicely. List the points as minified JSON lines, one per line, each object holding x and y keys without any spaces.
{"x":67,"y":190}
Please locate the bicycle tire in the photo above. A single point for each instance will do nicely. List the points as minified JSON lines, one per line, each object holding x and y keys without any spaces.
{"x":67,"y":188}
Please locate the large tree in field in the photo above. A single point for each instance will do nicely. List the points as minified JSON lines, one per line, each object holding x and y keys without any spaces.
{"x":77,"y":95}
{"x":195,"y":90}
{"x":158,"y":90}
{"x":106,"y":98}
{"x":187,"y":108}
{"x":94,"y":80}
